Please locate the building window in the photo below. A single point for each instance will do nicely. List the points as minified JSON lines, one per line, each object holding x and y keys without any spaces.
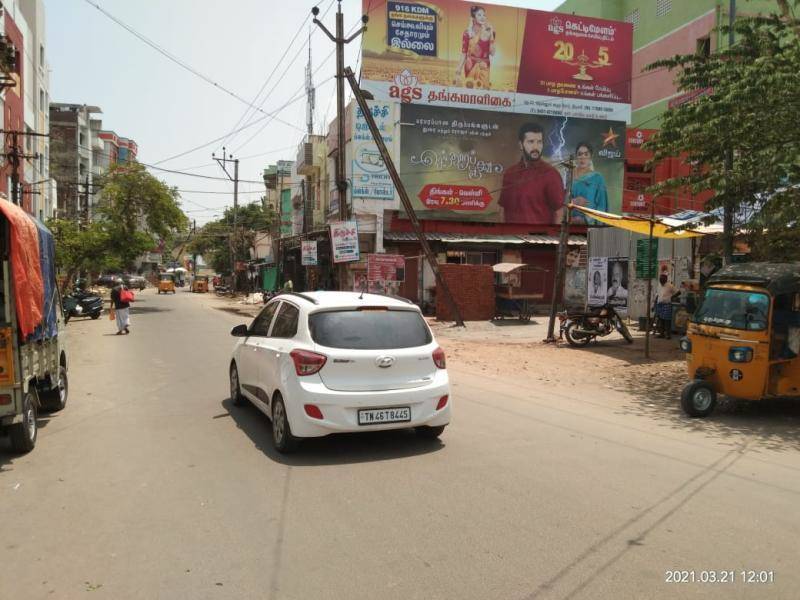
{"x":663,"y":7}
{"x":633,"y":19}
{"x":42,"y":106}
{"x":82,"y":140}
{"x":704,"y":46}
{"x":41,"y":56}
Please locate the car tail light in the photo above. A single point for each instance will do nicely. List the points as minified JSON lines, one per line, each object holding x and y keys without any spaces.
{"x":5,"y":399}
{"x":439,"y":358}
{"x":307,"y":363}
{"x":442,"y":402}
{"x":313,"y":411}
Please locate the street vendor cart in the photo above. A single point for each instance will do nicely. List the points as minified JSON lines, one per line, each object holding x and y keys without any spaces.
{"x":518,"y":286}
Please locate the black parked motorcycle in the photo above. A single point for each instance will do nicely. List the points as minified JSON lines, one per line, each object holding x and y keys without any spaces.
{"x":81,"y":303}
{"x":580,"y":328}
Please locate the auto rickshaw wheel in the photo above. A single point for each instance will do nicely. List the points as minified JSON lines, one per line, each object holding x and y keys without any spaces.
{"x":698,"y":398}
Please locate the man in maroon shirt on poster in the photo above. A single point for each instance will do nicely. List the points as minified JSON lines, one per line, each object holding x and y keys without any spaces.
{"x":532,"y":191}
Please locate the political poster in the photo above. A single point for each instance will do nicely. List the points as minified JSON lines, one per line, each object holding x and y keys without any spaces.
{"x":344,"y":241}
{"x":618,"y":283}
{"x":308,"y":253}
{"x":597,"y":288}
{"x":472,"y":165}
{"x":500,"y":58}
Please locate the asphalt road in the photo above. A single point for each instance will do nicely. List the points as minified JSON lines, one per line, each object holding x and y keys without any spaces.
{"x":152,"y":485}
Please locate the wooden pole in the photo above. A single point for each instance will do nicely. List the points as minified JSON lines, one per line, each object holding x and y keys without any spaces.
{"x":561,"y":258}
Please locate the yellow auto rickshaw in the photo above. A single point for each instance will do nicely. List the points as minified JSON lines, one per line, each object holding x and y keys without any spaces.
{"x":166,"y":283}
{"x":200,"y":284}
{"x":743,"y":341}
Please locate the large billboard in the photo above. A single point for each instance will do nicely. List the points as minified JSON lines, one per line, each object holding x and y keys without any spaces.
{"x":471,"y":165}
{"x":462,"y":54}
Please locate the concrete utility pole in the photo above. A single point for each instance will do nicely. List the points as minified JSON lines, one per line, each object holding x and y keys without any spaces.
{"x":728,"y":208}
{"x":341,"y":175}
{"x":223,"y":162}
{"x":15,"y":155}
{"x":401,"y":189}
{"x":561,"y":258}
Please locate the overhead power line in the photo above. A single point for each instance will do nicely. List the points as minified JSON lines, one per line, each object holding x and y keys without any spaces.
{"x":182,"y":64}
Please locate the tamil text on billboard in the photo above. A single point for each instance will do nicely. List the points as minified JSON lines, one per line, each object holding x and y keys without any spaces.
{"x":471,"y":165}
{"x":371,"y":180}
{"x":463,"y":54}
{"x":344,"y":241}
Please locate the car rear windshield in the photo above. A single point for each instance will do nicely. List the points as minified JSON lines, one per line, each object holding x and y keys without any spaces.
{"x":369,"y":329}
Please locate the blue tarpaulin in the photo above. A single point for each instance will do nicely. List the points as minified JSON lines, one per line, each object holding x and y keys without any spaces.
{"x":48,"y":328}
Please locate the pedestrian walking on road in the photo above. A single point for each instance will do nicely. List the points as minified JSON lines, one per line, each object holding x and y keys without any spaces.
{"x":121,"y":307}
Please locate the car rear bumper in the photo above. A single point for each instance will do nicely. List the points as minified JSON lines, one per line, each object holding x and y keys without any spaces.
{"x":340,"y":409}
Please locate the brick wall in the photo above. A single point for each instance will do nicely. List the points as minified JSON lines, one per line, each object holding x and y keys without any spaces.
{"x":473,"y":289}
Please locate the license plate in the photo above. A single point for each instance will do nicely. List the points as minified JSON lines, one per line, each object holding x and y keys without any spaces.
{"x":379,"y":416}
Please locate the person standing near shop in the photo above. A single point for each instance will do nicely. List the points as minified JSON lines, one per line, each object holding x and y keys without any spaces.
{"x":664,"y":306}
{"x":121,"y":308}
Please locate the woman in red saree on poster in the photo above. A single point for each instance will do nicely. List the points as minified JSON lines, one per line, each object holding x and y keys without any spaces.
{"x":477,"y":50}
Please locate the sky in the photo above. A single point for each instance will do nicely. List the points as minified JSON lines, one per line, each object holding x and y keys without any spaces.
{"x":237,"y":44}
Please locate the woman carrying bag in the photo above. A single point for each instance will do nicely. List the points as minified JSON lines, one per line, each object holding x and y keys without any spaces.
{"x":121,"y":298}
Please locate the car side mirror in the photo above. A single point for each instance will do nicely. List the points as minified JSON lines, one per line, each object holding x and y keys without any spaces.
{"x":239,"y":331}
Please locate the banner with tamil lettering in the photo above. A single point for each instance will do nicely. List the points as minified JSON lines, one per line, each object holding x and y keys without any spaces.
{"x":471,"y":165}
{"x":500,"y":58}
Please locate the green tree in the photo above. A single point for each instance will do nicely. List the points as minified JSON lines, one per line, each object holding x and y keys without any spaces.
{"x":138,"y":209}
{"x":750,"y":114}
{"x":214,"y":239}
{"x":82,"y":249}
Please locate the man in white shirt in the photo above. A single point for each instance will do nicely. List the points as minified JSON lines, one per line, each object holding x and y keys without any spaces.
{"x":664,"y":306}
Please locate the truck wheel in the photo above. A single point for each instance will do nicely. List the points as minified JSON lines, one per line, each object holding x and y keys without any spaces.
{"x":578,"y":340}
{"x":23,"y":435}
{"x":698,"y":398}
{"x":55,"y":399}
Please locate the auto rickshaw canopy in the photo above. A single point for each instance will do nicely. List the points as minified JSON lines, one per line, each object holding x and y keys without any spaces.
{"x":776,"y":278}
{"x":166,"y":277}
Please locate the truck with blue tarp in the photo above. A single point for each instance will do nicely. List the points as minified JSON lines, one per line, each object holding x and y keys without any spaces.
{"x":33,"y":355}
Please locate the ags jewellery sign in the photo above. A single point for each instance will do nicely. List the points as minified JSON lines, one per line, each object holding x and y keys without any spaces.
{"x":344,"y":241}
{"x":498,"y":58}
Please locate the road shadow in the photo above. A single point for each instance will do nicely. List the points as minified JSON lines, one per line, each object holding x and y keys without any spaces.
{"x":136,"y":310}
{"x":242,"y":312}
{"x":656,"y":392}
{"x":512,"y":322}
{"x":335,"y":449}
{"x":661,"y":351}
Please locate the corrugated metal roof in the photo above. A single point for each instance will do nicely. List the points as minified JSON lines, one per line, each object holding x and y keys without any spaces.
{"x":463,"y":238}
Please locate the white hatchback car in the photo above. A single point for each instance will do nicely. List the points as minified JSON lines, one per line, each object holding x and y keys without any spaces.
{"x":324,"y":362}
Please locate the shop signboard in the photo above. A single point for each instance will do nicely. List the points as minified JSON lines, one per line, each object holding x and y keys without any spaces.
{"x":371,"y":180}
{"x":344,"y":241}
{"x":308,"y":250}
{"x":646,"y":268}
{"x":386,"y":267}
{"x":458,"y":54}
{"x":470,"y":165}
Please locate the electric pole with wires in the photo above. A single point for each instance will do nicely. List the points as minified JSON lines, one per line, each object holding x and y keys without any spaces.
{"x":223,"y":162}
{"x":15,"y":155}
{"x":341,"y":175}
